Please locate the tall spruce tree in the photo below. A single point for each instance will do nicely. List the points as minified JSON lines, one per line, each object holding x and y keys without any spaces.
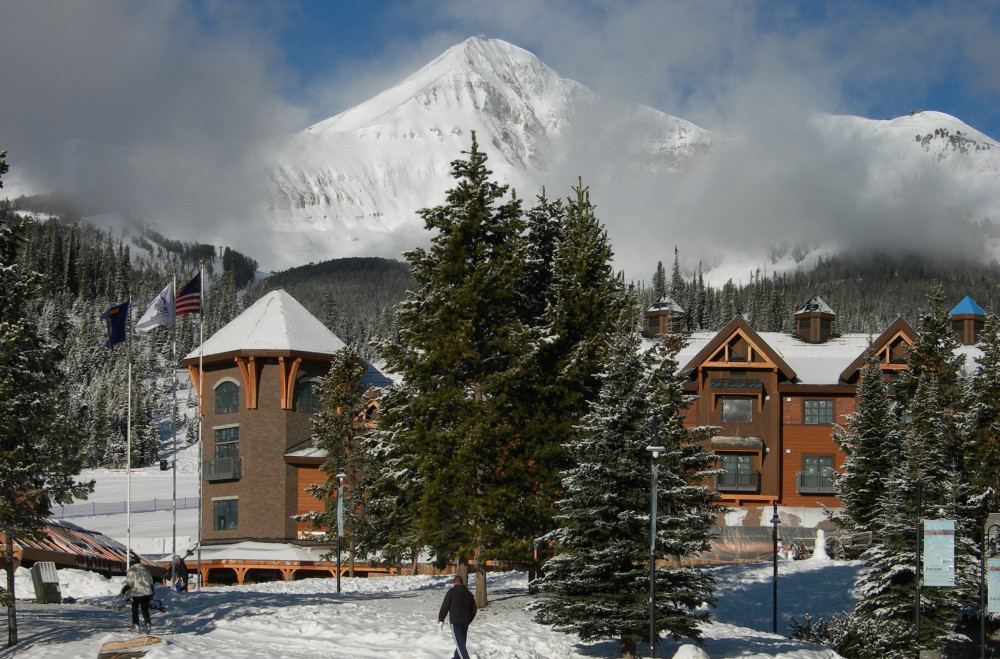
{"x":389,"y":532}
{"x":460,"y":336}
{"x":597,"y":584}
{"x":559,"y":378}
{"x":40,"y":443}
{"x":933,"y":455}
{"x":870,"y":444}
{"x":982,"y":420}
{"x":337,"y":431}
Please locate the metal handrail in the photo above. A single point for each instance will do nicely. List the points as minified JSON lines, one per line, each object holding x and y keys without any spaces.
{"x":223,"y":469}
{"x":738,"y":481}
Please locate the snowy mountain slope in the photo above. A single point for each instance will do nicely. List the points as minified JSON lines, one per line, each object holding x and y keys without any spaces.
{"x":351,"y":184}
{"x":773,"y":198}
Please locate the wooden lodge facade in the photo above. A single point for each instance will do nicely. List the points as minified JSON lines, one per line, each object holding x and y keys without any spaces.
{"x":777,"y":398}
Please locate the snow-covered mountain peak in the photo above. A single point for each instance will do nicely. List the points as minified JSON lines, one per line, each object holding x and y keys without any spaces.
{"x":488,"y":78}
{"x":351,"y":185}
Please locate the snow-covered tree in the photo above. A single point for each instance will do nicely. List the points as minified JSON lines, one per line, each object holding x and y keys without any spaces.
{"x":388,"y":531}
{"x":40,"y":443}
{"x":559,"y":377}
{"x":597,"y":584}
{"x":870,"y":444}
{"x":337,"y":431}
{"x":982,"y":419}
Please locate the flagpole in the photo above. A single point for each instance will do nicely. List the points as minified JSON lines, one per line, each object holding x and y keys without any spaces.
{"x":173,"y":425}
{"x":201,"y":405}
{"x":128,"y":438}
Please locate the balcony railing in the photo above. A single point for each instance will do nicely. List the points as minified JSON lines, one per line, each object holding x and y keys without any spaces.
{"x":814,"y":483}
{"x":222,"y":469}
{"x":738,"y":481}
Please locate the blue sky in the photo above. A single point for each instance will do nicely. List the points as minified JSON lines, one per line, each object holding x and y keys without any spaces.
{"x":145,"y":103}
{"x":698,"y":60}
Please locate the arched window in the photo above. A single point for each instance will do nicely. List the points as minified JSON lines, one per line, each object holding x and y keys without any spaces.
{"x":309,"y":402}
{"x":227,"y":397}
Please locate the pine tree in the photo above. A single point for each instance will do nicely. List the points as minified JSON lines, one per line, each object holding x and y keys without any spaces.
{"x":659,"y":281}
{"x":559,"y":378}
{"x":389,"y":531}
{"x":337,"y":431}
{"x":597,"y":584}
{"x":460,"y":336}
{"x":40,"y":444}
{"x":870,"y":444}
{"x":982,"y":421}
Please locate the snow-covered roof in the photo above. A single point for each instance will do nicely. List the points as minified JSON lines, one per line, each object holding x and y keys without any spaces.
{"x":967,"y":305}
{"x":276,"y":322}
{"x":268,"y":551}
{"x":815,"y":304}
{"x":665,"y":302}
{"x":813,"y":363}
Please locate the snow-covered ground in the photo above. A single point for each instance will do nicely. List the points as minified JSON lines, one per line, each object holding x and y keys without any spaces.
{"x":395,"y":617}
{"x":392,"y":617}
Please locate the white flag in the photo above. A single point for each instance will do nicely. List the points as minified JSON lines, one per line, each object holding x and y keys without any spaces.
{"x":160,"y":311}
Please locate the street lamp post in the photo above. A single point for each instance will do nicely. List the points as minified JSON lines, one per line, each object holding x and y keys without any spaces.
{"x":774,"y":579}
{"x":340,"y":518}
{"x":655,"y":448}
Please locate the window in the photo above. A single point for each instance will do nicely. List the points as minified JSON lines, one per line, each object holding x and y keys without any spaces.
{"x":226,"y":514}
{"x":227,"y":442}
{"x":817,"y":464}
{"x":817,"y":475}
{"x":308,"y":399}
{"x":227,"y":397}
{"x":737,"y":474}
{"x":737,"y":409}
{"x":736,"y":462}
{"x":818,"y":412}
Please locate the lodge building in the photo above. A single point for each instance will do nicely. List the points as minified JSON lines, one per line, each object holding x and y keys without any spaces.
{"x":258,"y":395}
{"x":776,"y":398}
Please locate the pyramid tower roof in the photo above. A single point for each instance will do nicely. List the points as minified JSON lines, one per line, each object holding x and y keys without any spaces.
{"x":967,"y":305}
{"x":276,"y":324}
{"x":815,"y":304}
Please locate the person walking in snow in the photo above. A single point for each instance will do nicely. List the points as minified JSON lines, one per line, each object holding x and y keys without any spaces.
{"x":179,"y":575}
{"x":139,"y":587}
{"x":460,"y":607}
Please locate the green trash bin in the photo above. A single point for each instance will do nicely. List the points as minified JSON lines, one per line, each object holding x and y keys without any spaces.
{"x":46,"y":581}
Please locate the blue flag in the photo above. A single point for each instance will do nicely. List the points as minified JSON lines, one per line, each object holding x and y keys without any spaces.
{"x":116,"y":319}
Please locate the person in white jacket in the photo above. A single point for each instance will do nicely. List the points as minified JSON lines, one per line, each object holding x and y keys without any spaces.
{"x":139,"y":587}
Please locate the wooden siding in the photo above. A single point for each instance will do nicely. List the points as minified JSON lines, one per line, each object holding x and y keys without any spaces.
{"x":807,"y":440}
{"x":307,"y":475}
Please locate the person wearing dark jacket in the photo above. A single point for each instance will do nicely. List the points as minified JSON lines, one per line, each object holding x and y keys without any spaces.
{"x":460,"y":607}
{"x":180,"y":575}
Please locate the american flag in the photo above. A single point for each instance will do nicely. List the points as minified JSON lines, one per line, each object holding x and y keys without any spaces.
{"x":188,"y":298}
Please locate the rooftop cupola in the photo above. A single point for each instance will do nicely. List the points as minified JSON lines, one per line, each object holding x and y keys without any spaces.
{"x":814,"y":321}
{"x":967,"y":321}
{"x":664,"y":317}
